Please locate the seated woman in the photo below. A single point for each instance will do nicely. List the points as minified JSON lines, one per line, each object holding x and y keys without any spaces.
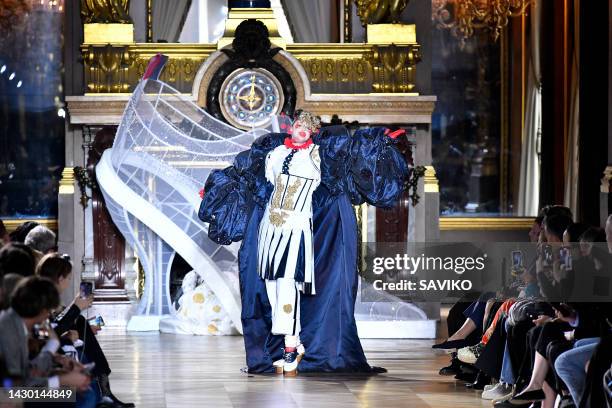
{"x":586,"y":321}
{"x":289,"y":199}
{"x":70,"y":325}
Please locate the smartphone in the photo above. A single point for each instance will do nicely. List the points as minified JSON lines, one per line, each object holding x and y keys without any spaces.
{"x":566,"y":258}
{"x":517,"y":259}
{"x":88,"y":368}
{"x":548,"y":255}
{"x":96,"y":321}
{"x":86,"y":289}
{"x":40,"y":332}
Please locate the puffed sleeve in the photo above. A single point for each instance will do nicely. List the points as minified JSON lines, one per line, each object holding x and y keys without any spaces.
{"x":231,"y":194}
{"x":366,"y":166}
{"x":334,"y":149}
{"x":377,"y":171}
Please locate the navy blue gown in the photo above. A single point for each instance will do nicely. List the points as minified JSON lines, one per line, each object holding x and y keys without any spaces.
{"x":365,"y":167}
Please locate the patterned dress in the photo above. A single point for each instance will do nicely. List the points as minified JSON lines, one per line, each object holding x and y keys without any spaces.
{"x":285,"y":232}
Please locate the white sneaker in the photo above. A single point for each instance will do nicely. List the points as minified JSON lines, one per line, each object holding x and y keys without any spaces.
{"x":499,"y":392}
{"x":490,"y":386}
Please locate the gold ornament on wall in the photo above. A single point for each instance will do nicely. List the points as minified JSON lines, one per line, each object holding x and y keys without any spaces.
{"x":380,"y":11}
{"x":463,"y":17}
{"x":394,"y":68}
{"x":105,"y":11}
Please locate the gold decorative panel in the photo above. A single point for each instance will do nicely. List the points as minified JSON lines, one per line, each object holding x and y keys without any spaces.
{"x":331,"y":68}
{"x":394,"y":68}
{"x":118,"y":68}
{"x":105,"y":11}
{"x":346,"y":75}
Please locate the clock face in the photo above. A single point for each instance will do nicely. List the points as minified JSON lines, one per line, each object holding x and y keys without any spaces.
{"x":250,"y":98}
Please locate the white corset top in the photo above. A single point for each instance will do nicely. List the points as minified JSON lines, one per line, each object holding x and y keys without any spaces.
{"x":293,"y":192}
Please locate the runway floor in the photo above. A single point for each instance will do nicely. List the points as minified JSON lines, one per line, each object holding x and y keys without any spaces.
{"x":165,"y":370}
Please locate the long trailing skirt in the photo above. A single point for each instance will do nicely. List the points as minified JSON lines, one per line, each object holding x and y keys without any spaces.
{"x":329,"y":331}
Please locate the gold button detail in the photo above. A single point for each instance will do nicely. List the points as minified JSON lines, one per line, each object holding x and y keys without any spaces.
{"x":288,"y":308}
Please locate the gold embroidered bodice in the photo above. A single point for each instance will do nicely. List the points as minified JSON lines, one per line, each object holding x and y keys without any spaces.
{"x":292,"y":195}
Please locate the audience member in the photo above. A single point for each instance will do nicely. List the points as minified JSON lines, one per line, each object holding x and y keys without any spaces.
{"x":9,"y":283}
{"x":31,"y":304}
{"x":559,"y":351}
{"x":17,"y":258}
{"x":4,"y":235}
{"x":20,"y":233}
{"x":41,"y":239}
{"x":58,"y":269}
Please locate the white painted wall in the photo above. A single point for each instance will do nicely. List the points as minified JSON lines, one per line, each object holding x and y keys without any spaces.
{"x":205,"y":21}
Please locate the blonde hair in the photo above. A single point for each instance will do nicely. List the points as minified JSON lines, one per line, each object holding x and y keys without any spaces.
{"x":308,"y":120}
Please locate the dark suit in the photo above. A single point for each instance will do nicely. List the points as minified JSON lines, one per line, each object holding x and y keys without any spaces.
{"x":71,"y":319}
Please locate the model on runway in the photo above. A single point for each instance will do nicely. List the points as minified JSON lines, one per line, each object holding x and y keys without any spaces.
{"x":289,"y":199}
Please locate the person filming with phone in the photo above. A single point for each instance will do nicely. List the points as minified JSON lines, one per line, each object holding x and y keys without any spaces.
{"x":74,"y":329}
{"x":32,"y":302}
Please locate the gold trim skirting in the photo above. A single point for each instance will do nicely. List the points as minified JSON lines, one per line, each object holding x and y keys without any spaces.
{"x":485,"y":223}
{"x":12,"y":224}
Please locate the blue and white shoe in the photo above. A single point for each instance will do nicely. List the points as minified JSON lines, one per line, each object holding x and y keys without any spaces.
{"x":279,"y":364}
{"x":292,"y":359}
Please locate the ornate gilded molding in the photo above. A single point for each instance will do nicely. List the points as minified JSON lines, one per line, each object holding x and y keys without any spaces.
{"x":105,"y":11}
{"x":347,"y":21}
{"x":485,"y":223}
{"x":331,"y":68}
{"x":118,"y":68}
{"x":106,"y":68}
{"x":339,"y":96}
{"x":12,"y":224}
{"x":380,"y":11}
{"x":394,"y":67}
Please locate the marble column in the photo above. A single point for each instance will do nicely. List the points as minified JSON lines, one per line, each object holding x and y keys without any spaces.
{"x":70,"y":213}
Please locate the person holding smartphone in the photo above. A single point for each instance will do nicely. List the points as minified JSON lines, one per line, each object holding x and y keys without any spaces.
{"x":74,"y":326}
{"x":548,"y":262}
{"x":31,"y":304}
